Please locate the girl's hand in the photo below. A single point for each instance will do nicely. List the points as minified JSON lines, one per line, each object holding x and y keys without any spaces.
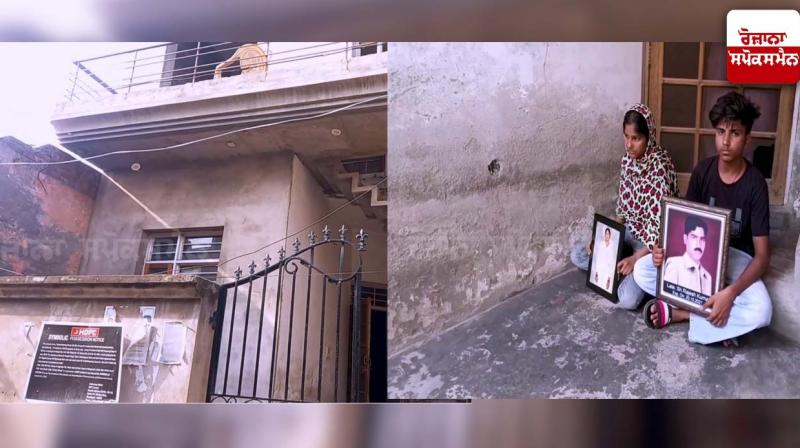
{"x":625,"y":266}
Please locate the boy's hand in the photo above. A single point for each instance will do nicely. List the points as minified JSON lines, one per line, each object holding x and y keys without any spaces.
{"x":720,"y":305}
{"x":658,"y":256}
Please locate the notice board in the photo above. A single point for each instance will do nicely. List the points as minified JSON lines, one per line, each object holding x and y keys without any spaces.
{"x":76,"y":362}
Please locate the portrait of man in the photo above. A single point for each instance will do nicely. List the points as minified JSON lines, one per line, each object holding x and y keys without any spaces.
{"x":605,"y":257}
{"x":687,"y":270}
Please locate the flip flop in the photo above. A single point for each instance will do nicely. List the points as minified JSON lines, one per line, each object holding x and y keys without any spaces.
{"x":730,"y":343}
{"x":664,"y":313}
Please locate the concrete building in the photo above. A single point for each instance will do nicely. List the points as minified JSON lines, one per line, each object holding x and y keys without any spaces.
{"x":501,"y":154}
{"x":312,"y":154}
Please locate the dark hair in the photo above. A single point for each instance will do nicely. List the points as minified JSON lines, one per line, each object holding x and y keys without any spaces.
{"x":733,"y":106}
{"x":638,"y":121}
{"x":693,"y":222}
{"x":608,"y":231}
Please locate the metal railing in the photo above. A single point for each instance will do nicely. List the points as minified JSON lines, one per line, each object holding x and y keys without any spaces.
{"x":172,"y":64}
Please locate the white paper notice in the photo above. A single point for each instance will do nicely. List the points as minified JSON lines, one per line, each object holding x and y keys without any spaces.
{"x":173,"y":343}
{"x":136,"y":354}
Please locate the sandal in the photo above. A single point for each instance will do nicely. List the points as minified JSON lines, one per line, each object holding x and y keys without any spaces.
{"x":730,"y":343}
{"x":664,"y":313}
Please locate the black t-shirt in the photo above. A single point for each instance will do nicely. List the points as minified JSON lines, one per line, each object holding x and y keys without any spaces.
{"x":747,"y":198}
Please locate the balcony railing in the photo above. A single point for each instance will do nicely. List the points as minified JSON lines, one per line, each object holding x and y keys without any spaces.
{"x":173,"y":64}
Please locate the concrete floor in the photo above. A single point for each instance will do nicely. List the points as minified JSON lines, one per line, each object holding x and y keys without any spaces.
{"x":561,"y":340}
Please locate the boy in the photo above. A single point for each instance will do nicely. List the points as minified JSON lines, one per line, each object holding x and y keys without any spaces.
{"x":729,"y":181}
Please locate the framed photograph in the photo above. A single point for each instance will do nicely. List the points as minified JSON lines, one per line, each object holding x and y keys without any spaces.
{"x":695,"y":241}
{"x":607,"y":238}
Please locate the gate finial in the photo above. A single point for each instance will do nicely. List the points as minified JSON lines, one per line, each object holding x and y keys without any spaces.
{"x":312,"y":238}
{"x":252,"y":267}
{"x":326,"y":233}
{"x":362,"y":236}
{"x":342,"y":231}
{"x":281,"y":253}
{"x":296,"y":245}
{"x":238,"y":272}
{"x":267,"y":259}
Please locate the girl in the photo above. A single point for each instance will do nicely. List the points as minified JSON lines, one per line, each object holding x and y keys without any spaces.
{"x":646,"y":176}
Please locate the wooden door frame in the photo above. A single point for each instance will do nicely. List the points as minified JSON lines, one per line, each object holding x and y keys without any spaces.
{"x":654,"y":65}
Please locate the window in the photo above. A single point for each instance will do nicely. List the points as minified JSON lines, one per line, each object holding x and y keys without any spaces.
{"x":365,"y":165}
{"x":185,"y":252}
{"x":376,"y":296}
{"x":684,"y":81}
{"x":367,"y":48}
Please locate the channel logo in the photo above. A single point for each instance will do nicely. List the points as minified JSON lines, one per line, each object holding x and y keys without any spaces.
{"x":763,"y":46}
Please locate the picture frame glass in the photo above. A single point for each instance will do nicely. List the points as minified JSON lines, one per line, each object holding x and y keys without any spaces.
{"x":695,"y":242}
{"x":607,"y":240}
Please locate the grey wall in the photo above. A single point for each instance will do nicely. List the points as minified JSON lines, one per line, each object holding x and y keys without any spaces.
{"x":247,"y":196}
{"x":783,"y":278}
{"x":460,"y":239}
{"x":793,"y":182}
{"x":307,"y":205}
{"x":258,"y":200}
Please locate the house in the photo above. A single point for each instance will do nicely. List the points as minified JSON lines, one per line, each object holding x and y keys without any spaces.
{"x":228,"y":171}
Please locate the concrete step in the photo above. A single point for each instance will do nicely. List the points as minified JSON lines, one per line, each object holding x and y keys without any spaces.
{"x":357,"y":185}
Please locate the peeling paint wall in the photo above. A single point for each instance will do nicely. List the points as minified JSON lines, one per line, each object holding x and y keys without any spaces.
{"x":83,"y":299}
{"x":464,"y":232}
{"x":44,"y":210}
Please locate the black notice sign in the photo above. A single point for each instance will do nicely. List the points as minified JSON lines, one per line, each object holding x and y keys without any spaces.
{"x":76,"y":363}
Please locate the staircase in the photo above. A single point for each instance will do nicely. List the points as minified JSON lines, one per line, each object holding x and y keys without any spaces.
{"x":373,"y":182}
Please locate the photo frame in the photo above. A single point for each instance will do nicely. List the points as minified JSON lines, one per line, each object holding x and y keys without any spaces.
{"x":695,"y":241}
{"x":608,"y":236}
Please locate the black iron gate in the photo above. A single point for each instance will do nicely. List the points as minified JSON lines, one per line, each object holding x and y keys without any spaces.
{"x":310,"y":352}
